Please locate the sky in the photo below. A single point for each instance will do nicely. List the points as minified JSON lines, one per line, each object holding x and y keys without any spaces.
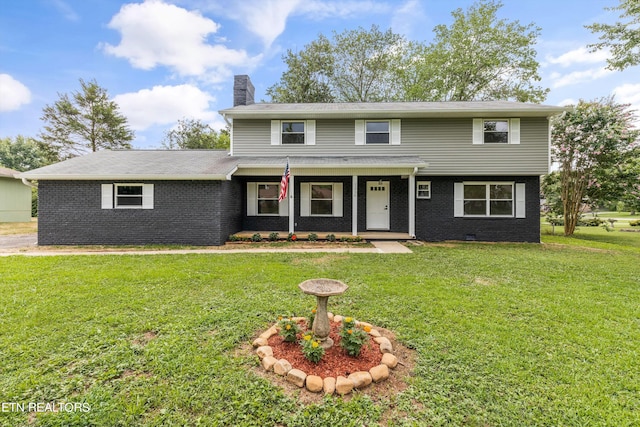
{"x":165,"y":60}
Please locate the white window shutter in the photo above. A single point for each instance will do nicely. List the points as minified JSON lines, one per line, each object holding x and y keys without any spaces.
{"x":337,"y":199}
{"x":478,"y":131}
{"x":275,"y":132}
{"x":252,"y":199}
{"x":359,"y":132}
{"x":458,"y":199}
{"x":521,"y":207}
{"x":283,"y":206}
{"x":310,"y":137}
{"x":514,"y":131}
{"x":147,"y":196}
{"x":107,"y":196}
{"x":305,"y":199}
{"x":395,"y":132}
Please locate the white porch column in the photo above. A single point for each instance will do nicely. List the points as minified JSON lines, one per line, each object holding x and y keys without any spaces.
{"x":292,"y":217}
{"x":412,"y":204}
{"x":354,"y":205}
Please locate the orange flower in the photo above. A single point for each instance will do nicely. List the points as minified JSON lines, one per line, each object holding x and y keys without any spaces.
{"x":313,"y":311}
{"x":349,"y":331}
{"x":367,"y":329}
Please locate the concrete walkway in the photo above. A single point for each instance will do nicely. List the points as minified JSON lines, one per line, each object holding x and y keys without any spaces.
{"x":11,"y":247}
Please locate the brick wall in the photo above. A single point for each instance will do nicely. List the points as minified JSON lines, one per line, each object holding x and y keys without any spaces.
{"x":435,"y":220}
{"x":185,"y":212}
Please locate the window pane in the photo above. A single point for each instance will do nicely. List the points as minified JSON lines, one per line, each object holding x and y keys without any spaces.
{"x":129,"y":201}
{"x":496,"y":126}
{"x":266,"y":207}
{"x":501,"y":208}
{"x":296,"y":127}
{"x":475,"y":191}
{"x":496,"y":137}
{"x":293,"y":138}
{"x":321,"y":207}
{"x":322,"y":191}
{"x":378,"y":127}
{"x":377,"y":138}
{"x":129,"y":190}
{"x":501,"y":191}
{"x":268,"y":191}
{"x":475,"y":207}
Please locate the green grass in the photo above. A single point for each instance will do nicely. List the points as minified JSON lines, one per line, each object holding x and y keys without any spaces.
{"x":505,"y":334}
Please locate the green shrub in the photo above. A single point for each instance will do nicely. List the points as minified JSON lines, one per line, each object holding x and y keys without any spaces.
{"x":288,"y":329}
{"x":235,"y":238}
{"x":590,"y":222}
{"x":292,"y":237}
{"x":256,"y":238}
{"x":353,"y":338}
{"x":331,"y":237}
{"x":312,"y":237}
{"x":634,"y":223}
{"x":311,"y":348}
{"x":273,"y":236}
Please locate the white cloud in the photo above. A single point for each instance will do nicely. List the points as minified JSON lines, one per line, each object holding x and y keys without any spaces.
{"x":164,"y":105}
{"x":560,"y":80}
{"x":568,"y":101}
{"x":408,"y":17}
{"x":629,"y":94}
{"x":320,"y":9}
{"x":13,"y":94}
{"x":66,"y":10}
{"x":268,"y":18}
{"x":578,"y":56}
{"x":155,"y":33}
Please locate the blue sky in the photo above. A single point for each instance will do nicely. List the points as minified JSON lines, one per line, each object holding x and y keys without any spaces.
{"x":166,"y":60}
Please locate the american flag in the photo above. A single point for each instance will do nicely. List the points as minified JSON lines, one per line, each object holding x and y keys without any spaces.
{"x":284,"y":183}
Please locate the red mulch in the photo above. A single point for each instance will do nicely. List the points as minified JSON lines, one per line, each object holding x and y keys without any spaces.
{"x":335,"y":361}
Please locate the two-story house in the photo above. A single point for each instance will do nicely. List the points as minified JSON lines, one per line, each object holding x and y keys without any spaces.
{"x":430,"y":170}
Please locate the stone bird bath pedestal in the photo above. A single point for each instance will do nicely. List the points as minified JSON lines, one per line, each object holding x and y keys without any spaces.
{"x":322,"y":289}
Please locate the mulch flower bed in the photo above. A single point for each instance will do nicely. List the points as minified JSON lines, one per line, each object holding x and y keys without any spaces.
{"x":334,"y":362}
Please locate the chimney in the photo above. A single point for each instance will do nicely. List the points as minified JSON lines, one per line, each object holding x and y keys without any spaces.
{"x":242,"y":90}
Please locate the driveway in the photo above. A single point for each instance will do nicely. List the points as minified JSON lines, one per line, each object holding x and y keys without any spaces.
{"x":18,"y":241}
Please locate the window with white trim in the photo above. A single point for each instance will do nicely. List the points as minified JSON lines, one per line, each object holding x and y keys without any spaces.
{"x":496,"y":131}
{"x":488,"y":199}
{"x":127,"y":196}
{"x":377,"y":132}
{"x":321,"y":199}
{"x":423,"y":189}
{"x":268,"y":198}
{"x":293,"y":132}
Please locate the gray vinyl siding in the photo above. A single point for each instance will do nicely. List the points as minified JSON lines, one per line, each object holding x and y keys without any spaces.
{"x":446,"y":144}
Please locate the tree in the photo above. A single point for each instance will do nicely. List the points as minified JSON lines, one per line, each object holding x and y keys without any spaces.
{"x":621,"y":38}
{"x":23,"y":154}
{"x":85,"y":121}
{"x":478,"y":57}
{"x":355,"y":66}
{"x":192,"y":134}
{"x":588,"y":142}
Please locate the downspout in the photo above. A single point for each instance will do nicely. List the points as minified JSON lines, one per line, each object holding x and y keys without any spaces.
{"x":29,"y":184}
{"x":230,"y":124}
{"x":412,"y":202}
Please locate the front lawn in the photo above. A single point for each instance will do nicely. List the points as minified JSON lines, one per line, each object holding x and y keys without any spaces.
{"x":505,"y":334}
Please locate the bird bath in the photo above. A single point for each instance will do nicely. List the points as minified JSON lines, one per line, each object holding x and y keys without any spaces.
{"x":322,"y":289}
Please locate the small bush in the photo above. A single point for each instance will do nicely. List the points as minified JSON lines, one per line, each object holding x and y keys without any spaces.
{"x":256,"y":238}
{"x":312,"y":237}
{"x":292,"y":237}
{"x":235,"y":238}
{"x":273,"y":236}
{"x":331,"y":237}
{"x":288,"y":329}
{"x":590,"y":222}
{"x":357,"y":239}
{"x":353,"y":338}
{"x":634,"y":223}
{"x":311,"y":348}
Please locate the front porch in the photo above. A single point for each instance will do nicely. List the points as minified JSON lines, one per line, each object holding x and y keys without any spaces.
{"x":304,"y":235}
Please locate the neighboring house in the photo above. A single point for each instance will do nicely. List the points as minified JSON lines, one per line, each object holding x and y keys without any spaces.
{"x":15,"y":197}
{"x":430,"y":170}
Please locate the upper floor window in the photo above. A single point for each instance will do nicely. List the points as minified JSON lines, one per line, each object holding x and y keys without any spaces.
{"x":302,"y":132}
{"x":496,"y":131}
{"x":377,"y":132}
{"x":293,"y":132}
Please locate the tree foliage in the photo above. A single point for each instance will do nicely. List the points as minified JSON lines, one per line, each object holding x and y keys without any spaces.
{"x":23,"y":153}
{"x":478,"y":57}
{"x":622,"y":38}
{"x":589,"y":142}
{"x":85,"y":121}
{"x":192,"y":134}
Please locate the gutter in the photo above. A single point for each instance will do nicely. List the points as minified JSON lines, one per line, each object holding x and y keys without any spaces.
{"x":28,"y":184}
{"x":208,"y":177}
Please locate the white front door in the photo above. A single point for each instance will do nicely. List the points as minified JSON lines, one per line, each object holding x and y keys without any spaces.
{"x":377,"y":205}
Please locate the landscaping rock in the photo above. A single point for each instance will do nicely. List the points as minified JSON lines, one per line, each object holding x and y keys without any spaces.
{"x":329,"y":385}
{"x":338,"y":318}
{"x":363,"y":324}
{"x":269,"y":332}
{"x":314,"y":383}
{"x":282,"y":367}
{"x":379,"y":373}
{"x":259,"y":342}
{"x":374,"y":333}
{"x":268,"y":362}
{"x":330,"y":315}
{"x":343,"y":385}
{"x":297,"y":377}
{"x":385,"y":344}
{"x":390,"y":360}
{"x":298,"y":319}
{"x":264,"y":351}
{"x":360,"y":379}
